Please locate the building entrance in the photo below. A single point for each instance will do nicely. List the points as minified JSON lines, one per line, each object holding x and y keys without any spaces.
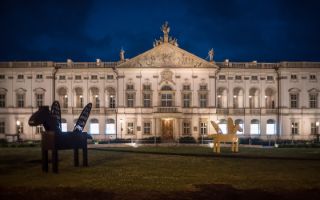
{"x":167,"y":130}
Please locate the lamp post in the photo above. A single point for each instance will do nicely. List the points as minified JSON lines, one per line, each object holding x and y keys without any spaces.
{"x":121,"y":120}
{"x":317,"y":131}
{"x":18,"y":129}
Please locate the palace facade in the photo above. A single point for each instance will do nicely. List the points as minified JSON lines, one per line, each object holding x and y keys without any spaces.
{"x":165,"y":92}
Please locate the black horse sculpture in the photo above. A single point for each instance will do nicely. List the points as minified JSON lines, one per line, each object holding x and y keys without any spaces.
{"x":54,"y":139}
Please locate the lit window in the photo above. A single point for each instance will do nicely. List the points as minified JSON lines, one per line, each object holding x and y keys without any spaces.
{"x":271,"y":127}
{"x":94,"y":126}
{"x":223,"y":126}
{"x":314,"y":128}
{"x":64,"y":125}
{"x":240,"y":122}
{"x":110,"y":126}
{"x":255,"y":127}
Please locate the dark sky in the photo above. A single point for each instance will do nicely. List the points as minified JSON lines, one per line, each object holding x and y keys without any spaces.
{"x":240,"y":30}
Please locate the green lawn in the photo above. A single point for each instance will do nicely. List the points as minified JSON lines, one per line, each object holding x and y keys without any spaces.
{"x":124,"y":170}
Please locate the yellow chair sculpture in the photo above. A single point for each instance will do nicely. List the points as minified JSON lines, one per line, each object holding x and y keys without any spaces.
{"x":231,"y":136}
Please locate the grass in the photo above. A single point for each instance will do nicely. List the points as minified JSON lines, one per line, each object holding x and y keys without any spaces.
{"x":124,"y":170}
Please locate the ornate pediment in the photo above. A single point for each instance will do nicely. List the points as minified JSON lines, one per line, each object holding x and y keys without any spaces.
{"x":167,"y":55}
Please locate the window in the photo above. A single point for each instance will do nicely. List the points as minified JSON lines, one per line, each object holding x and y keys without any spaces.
{"x":203,"y":87}
{"x":166,"y":100}
{"x":39,"y":76}
{"x":313,"y":77}
{"x":130,"y":130}
{"x":112,"y":101}
{"x":269,"y":78}
{"x":271,"y":127}
{"x":2,"y":127}
{"x":19,"y":127}
{"x":147,"y":87}
{"x":110,"y":126}
{"x":2,"y":76}
{"x":203,"y":100}
{"x":223,"y":126}
{"x":186,"y":128}
{"x":203,"y":128}
{"x":77,"y":77}
{"x":62,"y":77}
{"x":314,"y":128}
{"x":64,"y":125}
{"x":130,"y":87}
{"x":238,"y":78}
{"x":39,"y":129}
{"x":147,"y":128}
{"x":186,"y":87}
{"x":294,"y":77}
{"x":94,"y":126}
{"x":94,"y":77}
{"x":186,"y":100}
{"x":294,"y":100}
{"x":222,"y":77}
{"x":255,"y":127}
{"x":241,"y":124}
{"x":20,"y":76}
{"x":109,"y":77}
{"x":147,"y":100}
{"x":130,"y":100}
{"x":254,"y":78}
{"x":2,"y":100}
{"x":20,"y":100}
{"x":294,"y":128}
{"x":313,"y":100}
{"x":39,"y":100}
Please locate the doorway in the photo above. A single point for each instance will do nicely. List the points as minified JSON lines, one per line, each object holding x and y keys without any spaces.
{"x":167,"y":130}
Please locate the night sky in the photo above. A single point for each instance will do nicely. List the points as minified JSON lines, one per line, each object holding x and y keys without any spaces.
{"x":240,"y":30}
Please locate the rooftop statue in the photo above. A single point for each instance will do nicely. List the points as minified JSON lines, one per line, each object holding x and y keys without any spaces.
{"x":165,"y":28}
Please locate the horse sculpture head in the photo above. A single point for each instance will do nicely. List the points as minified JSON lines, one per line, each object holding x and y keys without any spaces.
{"x":44,"y":117}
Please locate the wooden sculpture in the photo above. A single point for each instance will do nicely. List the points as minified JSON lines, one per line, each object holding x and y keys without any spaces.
{"x":231,"y":136}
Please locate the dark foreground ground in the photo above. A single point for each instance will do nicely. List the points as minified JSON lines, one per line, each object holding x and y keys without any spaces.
{"x":164,"y":173}
{"x":200,"y":192}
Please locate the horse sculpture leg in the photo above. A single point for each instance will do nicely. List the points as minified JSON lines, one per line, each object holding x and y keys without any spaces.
{"x":55,"y":160}
{"x":45,"y":160}
{"x":85,"y":156}
{"x":237,"y":146}
{"x":76,"y":157}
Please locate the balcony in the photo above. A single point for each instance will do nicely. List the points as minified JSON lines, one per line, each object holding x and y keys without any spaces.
{"x":237,"y":111}
{"x":254,"y":111}
{"x":167,"y":109}
{"x":271,"y":111}
{"x":110,"y":110}
{"x":222,"y":111}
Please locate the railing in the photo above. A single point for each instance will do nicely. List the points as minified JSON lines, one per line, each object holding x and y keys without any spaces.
{"x":271,"y":111}
{"x":167,"y":109}
{"x":110,"y":110}
{"x":237,"y":111}
{"x":222,"y":111}
{"x":255,"y":111}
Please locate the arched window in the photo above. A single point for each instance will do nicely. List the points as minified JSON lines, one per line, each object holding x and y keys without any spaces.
{"x":94,"y":97}
{"x":255,"y":127}
{"x":223,"y":126}
{"x":64,"y":125}
{"x":110,"y":126}
{"x":63,"y":97}
{"x":222,"y":98}
{"x":237,"y":98}
{"x":241,"y":124}
{"x":254,"y":98}
{"x":111,"y":97}
{"x":94,"y":126}
{"x":313,"y":98}
{"x":270,"y":98}
{"x":271,"y":127}
{"x":79,"y":97}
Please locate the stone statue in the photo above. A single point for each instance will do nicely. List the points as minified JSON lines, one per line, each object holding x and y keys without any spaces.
{"x":122,"y":54}
{"x":211,"y":55}
{"x":165,"y":28}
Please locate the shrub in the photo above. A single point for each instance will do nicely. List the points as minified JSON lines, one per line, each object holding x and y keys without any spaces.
{"x":150,"y":140}
{"x":187,"y":139}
